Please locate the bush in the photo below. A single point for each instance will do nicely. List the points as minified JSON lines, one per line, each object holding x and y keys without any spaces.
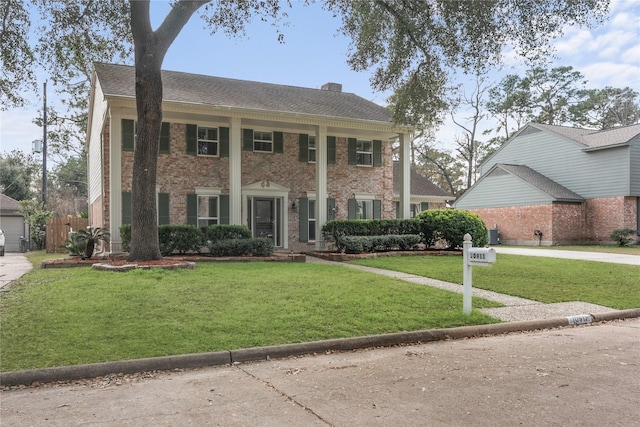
{"x":172,"y":238}
{"x":335,"y":229}
{"x":622,"y":236}
{"x":449,"y":227}
{"x":238,"y":247}
{"x":359,"y":244}
{"x":125,"y":237}
{"x":228,"y":232}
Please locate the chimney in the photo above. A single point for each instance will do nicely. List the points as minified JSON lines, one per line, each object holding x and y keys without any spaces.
{"x":332,"y":87}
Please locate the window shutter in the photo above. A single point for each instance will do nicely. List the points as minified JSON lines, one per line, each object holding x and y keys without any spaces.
{"x":163,"y":209}
{"x":377,"y":209}
{"x":331,"y":150}
{"x":397,"y":209}
{"x":192,"y":139}
{"x":303,"y":208}
{"x":352,"y":145}
{"x":223,"y":148}
{"x":303,"y":148}
{"x":192,"y":209}
{"x":128,"y":134}
{"x":278,"y":142}
{"x":126,"y":207}
{"x":352,"y":207}
{"x":377,"y":153}
{"x":247,"y":139}
{"x":424,"y":206}
{"x":223,"y":215}
{"x":165,"y":138}
{"x":331,"y":205}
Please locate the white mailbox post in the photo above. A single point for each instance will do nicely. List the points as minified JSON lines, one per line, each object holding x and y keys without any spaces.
{"x":473,"y":257}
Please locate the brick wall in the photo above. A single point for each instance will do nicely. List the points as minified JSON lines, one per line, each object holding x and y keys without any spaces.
{"x":517,"y":224}
{"x":607,"y":214}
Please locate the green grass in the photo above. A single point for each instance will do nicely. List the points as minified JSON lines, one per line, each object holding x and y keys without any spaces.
{"x":57,"y":317}
{"x":547,"y":280}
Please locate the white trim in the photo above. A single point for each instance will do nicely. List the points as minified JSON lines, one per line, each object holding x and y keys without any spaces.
{"x":208,"y":191}
{"x":364,"y":196}
{"x":269,"y":190}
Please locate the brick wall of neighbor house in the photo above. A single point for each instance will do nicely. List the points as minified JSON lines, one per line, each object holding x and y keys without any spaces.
{"x":607,"y":214}
{"x":517,"y":224}
{"x":179,"y":173}
{"x":568,"y":223}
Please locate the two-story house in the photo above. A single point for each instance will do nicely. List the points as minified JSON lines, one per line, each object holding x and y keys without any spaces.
{"x":281,"y":160}
{"x":559,"y":185}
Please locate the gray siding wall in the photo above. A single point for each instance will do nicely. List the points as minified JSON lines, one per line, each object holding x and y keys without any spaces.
{"x":602,"y":173}
{"x":635,"y":167}
{"x":502,"y":190}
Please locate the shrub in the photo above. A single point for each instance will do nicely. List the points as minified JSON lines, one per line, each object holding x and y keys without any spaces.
{"x":227,"y":232}
{"x":125,"y":237}
{"x":333,"y":230}
{"x":450,"y":225}
{"x":172,"y":238}
{"x":359,"y":244}
{"x":622,"y":236}
{"x":238,"y":247}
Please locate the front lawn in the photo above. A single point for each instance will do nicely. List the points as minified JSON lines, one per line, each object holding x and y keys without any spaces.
{"x":56,"y":317}
{"x":547,"y":280}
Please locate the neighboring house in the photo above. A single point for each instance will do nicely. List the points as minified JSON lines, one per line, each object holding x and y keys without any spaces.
{"x":424,"y":193}
{"x":279,"y":159}
{"x":12,"y":223}
{"x":574,"y":186}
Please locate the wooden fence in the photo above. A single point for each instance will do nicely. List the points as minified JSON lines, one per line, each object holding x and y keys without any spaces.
{"x":58,"y":231}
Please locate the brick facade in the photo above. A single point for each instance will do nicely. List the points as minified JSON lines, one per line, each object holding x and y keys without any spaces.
{"x":562,"y":224}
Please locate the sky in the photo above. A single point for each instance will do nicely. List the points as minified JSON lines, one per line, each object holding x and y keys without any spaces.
{"x":314,"y":53}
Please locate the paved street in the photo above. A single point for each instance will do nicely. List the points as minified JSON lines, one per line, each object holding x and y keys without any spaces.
{"x":575,"y":376}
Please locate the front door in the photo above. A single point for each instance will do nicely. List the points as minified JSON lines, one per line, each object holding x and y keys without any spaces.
{"x":264,"y":218}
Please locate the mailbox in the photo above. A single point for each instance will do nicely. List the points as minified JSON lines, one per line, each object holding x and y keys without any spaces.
{"x":481,"y":256}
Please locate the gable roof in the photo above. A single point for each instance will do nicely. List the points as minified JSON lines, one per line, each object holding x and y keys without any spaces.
{"x":536,"y":179}
{"x":8,"y":204}
{"x":594,"y":139}
{"x":119,"y":81}
{"x":420,"y":186}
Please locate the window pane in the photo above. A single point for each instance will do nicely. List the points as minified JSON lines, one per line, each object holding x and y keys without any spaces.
{"x":312,"y":209}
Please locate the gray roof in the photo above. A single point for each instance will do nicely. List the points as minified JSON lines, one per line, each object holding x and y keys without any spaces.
{"x":595,"y":139}
{"x":420,"y":186}
{"x":8,"y":205}
{"x":550,"y":187}
{"x":119,"y":80}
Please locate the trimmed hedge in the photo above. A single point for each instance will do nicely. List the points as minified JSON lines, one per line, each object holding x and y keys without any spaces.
{"x":227,"y":232}
{"x":261,"y":246}
{"x":172,"y":238}
{"x":449,"y":227}
{"x":333,"y":230}
{"x":358,"y":244}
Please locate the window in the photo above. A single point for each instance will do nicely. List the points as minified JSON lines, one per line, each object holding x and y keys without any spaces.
{"x":130,"y":134}
{"x":415,"y":209}
{"x":312,"y":148}
{"x":364,"y":209}
{"x":364,"y":153}
{"x":207,"y":141}
{"x":207,"y":211}
{"x":263,"y":141}
{"x":312,"y":220}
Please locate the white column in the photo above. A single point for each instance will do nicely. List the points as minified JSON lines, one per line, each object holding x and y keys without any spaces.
{"x":321,"y":184}
{"x":115,"y":181}
{"x":405,"y":177}
{"x":235,"y":172}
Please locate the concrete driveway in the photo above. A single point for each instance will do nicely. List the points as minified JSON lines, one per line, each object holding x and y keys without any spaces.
{"x":13,"y":266}
{"x":576,"y":376}
{"x":559,"y":253}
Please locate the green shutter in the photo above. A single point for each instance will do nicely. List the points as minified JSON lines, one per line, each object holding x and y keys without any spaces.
{"x":352,"y":145}
{"x":224,"y":142}
{"x":126,"y":207}
{"x":424,"y":206}
{"x":303,"y":208}
{"x":352,"y":207}
{"x":128,"y":134}
{"x":397,"y":209}
{"x":247,"y":139}
{"x":303,"y":148}
{"x":278,"y":142}
{"x":163,"y":209}
{"x":377,"y":209}
{"x":331,"y":205}
{"x":223,"y":215}
{"x":377,"y":153}
{"x":192,"y":139}
{"x":192,"y":209}
{"x":331,"y":150}
{"x":165,"y":138}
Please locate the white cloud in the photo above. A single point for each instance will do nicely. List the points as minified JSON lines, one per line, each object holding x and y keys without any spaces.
{"x":601,"y":74}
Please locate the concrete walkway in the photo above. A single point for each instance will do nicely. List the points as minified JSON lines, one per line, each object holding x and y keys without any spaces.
{"x":13,"y":266}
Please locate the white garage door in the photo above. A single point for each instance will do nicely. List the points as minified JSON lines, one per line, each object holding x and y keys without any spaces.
{"x":13,"y":227}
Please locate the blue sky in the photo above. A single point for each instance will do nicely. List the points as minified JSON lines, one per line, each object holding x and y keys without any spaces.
{"x":315,"y":53}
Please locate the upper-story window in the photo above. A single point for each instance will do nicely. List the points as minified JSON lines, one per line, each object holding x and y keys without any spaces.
{"x":312,"y":148}
{"x":364,"y":153}
{"x":262,"y":141}
{"x":207,"y":141}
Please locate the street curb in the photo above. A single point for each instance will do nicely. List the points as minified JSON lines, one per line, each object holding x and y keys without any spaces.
{"x":199,"y":360}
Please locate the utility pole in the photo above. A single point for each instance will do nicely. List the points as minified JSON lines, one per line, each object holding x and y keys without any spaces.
{"x":44,"y":150}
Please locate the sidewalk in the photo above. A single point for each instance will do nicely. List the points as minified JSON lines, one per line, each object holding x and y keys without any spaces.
{"x":13,"y":266}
